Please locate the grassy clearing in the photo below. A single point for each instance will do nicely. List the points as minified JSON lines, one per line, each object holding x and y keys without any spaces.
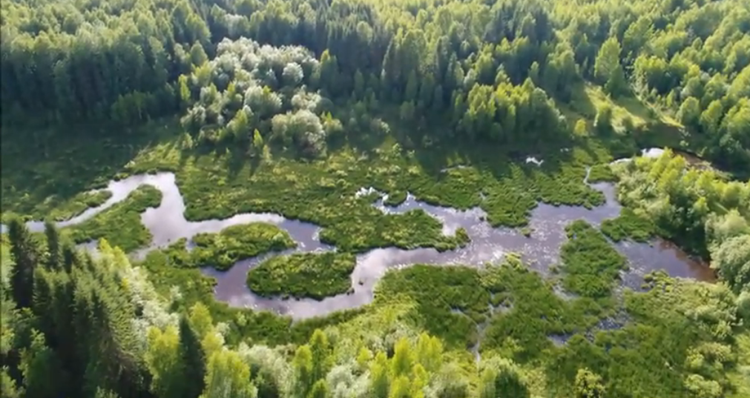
{"x":635,"y":124}
{"x":314,"y":275}
{"x":120,"y":224}
{"x":629,"y":225}
{"x":590,"y":264}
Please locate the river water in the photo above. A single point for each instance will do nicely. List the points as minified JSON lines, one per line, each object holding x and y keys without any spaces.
{"x":541,"y":250}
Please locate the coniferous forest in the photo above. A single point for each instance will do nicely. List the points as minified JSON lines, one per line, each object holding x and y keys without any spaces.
{"x":375,"y":198}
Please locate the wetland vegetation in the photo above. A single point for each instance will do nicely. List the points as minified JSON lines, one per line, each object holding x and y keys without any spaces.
{"x":224,"y":248}
{"x":314,"y":275}
{"x":120,"y":224}
{"x":290,"y":108}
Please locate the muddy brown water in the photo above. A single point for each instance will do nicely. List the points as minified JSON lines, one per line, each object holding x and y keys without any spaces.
{"x":541,"y":250}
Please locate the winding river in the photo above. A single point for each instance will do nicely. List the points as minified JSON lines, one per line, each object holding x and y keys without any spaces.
{"x":167,"y":224}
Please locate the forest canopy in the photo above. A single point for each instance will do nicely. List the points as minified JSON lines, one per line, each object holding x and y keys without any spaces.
{"x":501,"y":71}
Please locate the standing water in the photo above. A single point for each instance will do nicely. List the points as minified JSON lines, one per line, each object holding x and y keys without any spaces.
{"x":167,"y":223}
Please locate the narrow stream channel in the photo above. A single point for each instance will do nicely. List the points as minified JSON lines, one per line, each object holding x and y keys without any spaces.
{"x":541,"y":250}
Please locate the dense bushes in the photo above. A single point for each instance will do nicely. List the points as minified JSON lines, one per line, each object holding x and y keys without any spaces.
{"x":314,"y":275}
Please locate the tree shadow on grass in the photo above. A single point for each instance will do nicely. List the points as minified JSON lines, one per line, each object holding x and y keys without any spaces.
{"x":69,"y":160}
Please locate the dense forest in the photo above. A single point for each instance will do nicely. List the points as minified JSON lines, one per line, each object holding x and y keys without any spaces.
{"x":494,"y":70}
{"x":291,"y":108}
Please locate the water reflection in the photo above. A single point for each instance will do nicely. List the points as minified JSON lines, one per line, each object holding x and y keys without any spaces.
{"x":540,"y":250}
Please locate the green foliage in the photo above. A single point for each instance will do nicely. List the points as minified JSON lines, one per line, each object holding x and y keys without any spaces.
{"x":696,"y":208}
{"x":476,"y":84}
{"x":588,"y":385}
{"x":502,"y":377}
{"x":227,"y":375}
{"x":164,"y":362}
{"x":529,"y":312}
{"x":25,"y":255}
{"x":315,"y":275}
{"x":732,"y":259}
{"x":590,"y":264}
{"x":57,"y":209}
{"x":121,"y":223}
{"x":40,"y":367}
{"x":601,"y":173}
{"x":689,"y":325}
{"x":449,"y":303}
{"x":192,"y":359}
{"x":629,"y":225}
{"x":607,"y":68}
{"x":222,"y":249}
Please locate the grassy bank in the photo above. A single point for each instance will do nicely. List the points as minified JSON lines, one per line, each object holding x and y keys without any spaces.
{"x":314,"y":275}
{"x":45,"y":177}
{"x":120,"y":224}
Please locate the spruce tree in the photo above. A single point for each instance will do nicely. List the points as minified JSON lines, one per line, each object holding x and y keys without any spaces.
{"x":24,"y":253}
{"x":193,"y":358}
{"x":54,"y":258}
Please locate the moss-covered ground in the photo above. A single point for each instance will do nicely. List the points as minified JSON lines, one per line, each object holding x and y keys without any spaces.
{"x":314,"y":275}
{"x":120,"y":224}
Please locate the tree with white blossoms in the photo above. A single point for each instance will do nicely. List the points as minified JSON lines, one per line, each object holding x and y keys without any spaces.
{"x":292,"y":74}
{"x":302,"y":128}
{"x":264,"y":102}
{"x":248,"y":86}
